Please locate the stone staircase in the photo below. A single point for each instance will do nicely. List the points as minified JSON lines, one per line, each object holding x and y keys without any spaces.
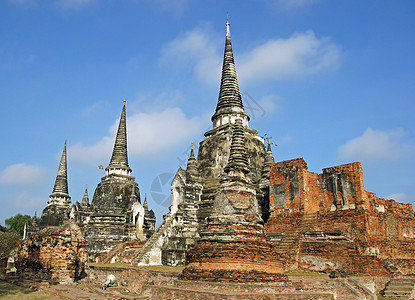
{"x":123,"y":252}
{"x":401,"y":288}
{"x":360,"y":291}
{"x":155,"y":241}
{"x":117,"y":249}
{"x":289,"y":245}
{"x":236,"y":291}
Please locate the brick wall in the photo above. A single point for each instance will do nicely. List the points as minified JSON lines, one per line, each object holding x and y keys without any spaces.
{"x":54,"y":251}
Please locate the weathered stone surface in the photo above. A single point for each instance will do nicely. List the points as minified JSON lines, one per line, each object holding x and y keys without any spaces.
{"x":57,"y":252}
{"x":233,"y":247}
{"x":353,"y":231}
{"x":114,"y":192}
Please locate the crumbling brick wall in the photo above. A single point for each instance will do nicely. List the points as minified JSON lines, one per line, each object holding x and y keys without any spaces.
{"x":294,"y":188}
{"x":353,"y":229}
{"x":56,"y":253}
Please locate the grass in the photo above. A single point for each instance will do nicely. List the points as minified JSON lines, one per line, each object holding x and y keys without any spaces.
{"x":130,"y":294}
{"x":124,"y":265}
{"x":12,"y":291}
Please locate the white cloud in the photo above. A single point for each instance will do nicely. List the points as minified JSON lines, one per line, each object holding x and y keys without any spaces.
{"x":22,"y":175}
{"x":266,"y":105}
{"x":148,"y":135}
{"x":74,"y":4}
{"x":301,"y":54}
{"x":400,"y":197}
{"x":25,"y":200}
{"x":376,"y":144}
{"x":195,"y":51}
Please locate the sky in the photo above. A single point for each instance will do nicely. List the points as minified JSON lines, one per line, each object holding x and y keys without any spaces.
{"x":330,"y":81}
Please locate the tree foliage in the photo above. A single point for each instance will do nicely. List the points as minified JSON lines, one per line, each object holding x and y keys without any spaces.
{"x":8,"y":241}
{"x":17,"y":222}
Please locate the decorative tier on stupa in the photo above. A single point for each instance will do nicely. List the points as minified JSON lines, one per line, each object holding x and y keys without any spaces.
{"x":233,"y":247}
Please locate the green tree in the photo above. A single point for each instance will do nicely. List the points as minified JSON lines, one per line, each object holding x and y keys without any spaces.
{"x":17,"y":222}
{"x":8,"y":241}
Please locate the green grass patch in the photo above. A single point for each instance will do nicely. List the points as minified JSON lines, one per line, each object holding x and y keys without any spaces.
{"x":130,"y":294}
{"x":12,"y":291}
{"x":124,"y":265}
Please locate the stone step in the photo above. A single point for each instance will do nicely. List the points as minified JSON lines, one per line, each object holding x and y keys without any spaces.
{"x":400,"y":288}
{"x":235,"y":287}
{"x":403,"y":281}
{"x":170,"y":292}
{"x":398,"y":295}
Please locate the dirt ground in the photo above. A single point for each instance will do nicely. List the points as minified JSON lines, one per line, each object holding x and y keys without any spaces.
{"x":82,"y":290}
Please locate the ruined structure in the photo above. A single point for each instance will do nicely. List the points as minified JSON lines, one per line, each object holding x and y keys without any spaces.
{"x":115,"y":214}
{"x":59,"y":204}
{"x":322,"y":222}
{"x":237,"y":215}
{"x":55,"y":253}
{"x":194,"y":189}
{"x":328,"y":221}
{"x":233,"y":246}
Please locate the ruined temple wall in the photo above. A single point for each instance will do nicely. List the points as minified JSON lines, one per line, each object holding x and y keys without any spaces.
{"x":56,"y":251}
{"x":349,"y":182}
{"x":287,"y":189}
{"x":294,"y":188}
{"x":344,"y":257}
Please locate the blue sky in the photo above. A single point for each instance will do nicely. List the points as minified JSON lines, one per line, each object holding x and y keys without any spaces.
{"x":330,"y":81}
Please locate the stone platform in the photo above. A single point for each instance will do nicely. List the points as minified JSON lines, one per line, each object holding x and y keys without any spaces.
{"x":214,"y":290}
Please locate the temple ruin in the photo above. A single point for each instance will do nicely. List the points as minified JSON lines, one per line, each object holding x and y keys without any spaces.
{"x":236,"y":215}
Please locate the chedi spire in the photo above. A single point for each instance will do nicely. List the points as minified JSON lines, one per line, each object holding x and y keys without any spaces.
{"x":230,"y":100}
{"x":119,"y":159}
{"x":60,"y":193}
{"x":85,"y":198}
{"x":191,"y":171}
{"x":269,"y":160}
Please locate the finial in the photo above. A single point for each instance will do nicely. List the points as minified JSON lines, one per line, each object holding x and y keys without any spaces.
{"x":228,"y":30}
{"x":124,"y":101}
{"x":192,"y":146}
{"x":269,"y":144}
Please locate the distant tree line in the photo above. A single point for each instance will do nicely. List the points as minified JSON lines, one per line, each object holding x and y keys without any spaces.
{"x":12,"y":233}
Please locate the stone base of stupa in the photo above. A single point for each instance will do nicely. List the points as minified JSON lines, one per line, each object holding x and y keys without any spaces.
{"x":233,"y":252}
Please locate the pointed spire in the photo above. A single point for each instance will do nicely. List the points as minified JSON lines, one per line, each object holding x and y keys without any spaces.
{"x":230,"y":100}
{"x":119,"y":159}
{"x":191,"y":171}
{"x":238,"y":160}
{"x":85,"y":198}
{"x":60,"y":188}
{"x":145,"y":205}
{"x":269,"y":157}
{"x":269,"y":160}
